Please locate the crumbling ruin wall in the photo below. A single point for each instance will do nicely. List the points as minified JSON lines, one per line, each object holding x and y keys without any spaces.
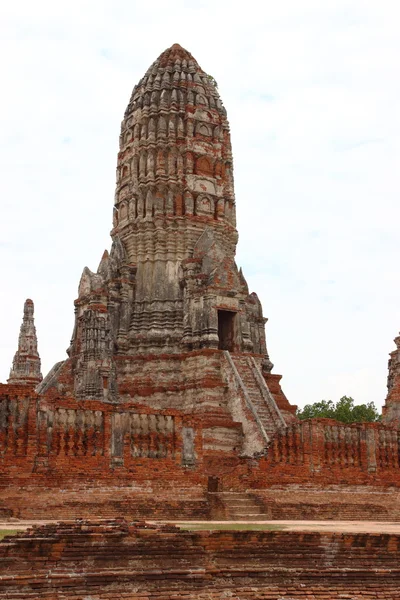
{"x":321,"y":502}
{"x":326,"y":451}
{"x":64,"y":437}
{"x":60,"y":458}
{"x":110,"y":559}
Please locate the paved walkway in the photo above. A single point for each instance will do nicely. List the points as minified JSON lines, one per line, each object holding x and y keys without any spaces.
{"x":20,"y":524}
{"x":339,"y":526}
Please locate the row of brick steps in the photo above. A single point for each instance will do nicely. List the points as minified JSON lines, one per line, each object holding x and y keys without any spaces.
{"x":240,"y":506}
{"x":259,"y":395}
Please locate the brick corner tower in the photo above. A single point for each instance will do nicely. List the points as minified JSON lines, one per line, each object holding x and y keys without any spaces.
{"x":25,"y":368}
{"x":391,"y":409}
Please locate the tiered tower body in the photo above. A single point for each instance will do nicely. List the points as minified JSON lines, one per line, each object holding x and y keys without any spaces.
{"x":25,"y":369}
{"x":174,"y":183}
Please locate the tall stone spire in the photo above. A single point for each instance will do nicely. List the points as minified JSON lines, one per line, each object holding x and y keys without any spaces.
{"x":175,"y":156}
{"x":26,"y":364}
{"x":174,"y":180}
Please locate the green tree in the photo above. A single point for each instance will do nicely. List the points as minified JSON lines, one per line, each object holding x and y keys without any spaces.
{"x":324,"y":408}
{"x":344,"y":410}
{"x":212,"y":80}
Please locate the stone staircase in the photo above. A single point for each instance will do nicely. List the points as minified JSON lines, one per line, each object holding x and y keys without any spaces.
{"x":240,"y":506}
{"x":253,"y":384}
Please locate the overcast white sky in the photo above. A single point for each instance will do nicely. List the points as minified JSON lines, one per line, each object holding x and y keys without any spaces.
{"x":312,"y":90}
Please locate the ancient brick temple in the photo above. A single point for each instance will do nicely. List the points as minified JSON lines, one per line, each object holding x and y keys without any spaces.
{"x":167,"y":322}
{"x":167,"y":394}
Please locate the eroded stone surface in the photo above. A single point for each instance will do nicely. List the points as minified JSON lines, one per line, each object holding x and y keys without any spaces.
{"x":26,"y":364}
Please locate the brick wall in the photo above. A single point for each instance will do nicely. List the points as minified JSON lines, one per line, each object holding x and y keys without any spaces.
{"x":65,"y":458}
{"x":115,"y":559}
{"x":337,"y":502}
{"x":327,"y":451}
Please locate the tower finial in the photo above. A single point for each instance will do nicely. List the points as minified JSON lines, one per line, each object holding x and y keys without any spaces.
{"x":26,"y":364}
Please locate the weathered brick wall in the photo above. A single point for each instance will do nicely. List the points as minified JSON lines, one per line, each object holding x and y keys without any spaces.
{"x":343,"y":503}
{"x":109,"y":499}
{"x":64,"y":437}
{"x":62,"y":458}
{"x":115,"y":559}
{"x":324,"y":450}
{"x":288,"y":410}
{"x":313,"y":453}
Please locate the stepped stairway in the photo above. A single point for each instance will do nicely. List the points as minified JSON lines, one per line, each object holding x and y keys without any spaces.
{"x":257,"y":394}
{"x":240,"y":506}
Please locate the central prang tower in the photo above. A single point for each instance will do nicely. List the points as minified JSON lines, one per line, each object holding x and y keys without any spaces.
{"x":174,"y":204}
{"x":170,"y":286}
{"x":175,"y":216}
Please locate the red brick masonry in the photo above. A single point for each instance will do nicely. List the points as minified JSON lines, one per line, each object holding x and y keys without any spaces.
{"x":115,"y":559}
{"x":60,"y":458}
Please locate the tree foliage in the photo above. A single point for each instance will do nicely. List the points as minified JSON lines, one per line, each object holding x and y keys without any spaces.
{"x":212,"y":80}
{"x":344,"y":410}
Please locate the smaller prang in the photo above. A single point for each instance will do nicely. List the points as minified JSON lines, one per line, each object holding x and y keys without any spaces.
{"x":25,"y":369}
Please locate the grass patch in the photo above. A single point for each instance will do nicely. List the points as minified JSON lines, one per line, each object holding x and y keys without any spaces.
{"x":5,"y":532}
{"x":230,"y":526}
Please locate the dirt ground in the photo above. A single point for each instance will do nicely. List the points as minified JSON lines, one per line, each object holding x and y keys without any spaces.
{"x":338,"y":526}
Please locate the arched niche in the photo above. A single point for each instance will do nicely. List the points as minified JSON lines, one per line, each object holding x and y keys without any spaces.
{"x":217,"y":133}
{"x":204,"y":205}
{"x":201,"y":100}
{"x":123,"y":193}
{"x":123,"y":211}
{"x":203,"y":129}
{"x":204,"y":166}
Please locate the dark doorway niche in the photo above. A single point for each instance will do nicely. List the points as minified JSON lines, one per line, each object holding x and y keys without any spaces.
{"x":226,"y":330}
{"x":213,"y":484}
